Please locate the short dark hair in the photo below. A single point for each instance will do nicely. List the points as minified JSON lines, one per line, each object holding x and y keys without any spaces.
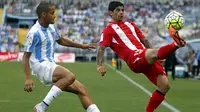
{"x":114,"y":4}
{"x":43,"y":7}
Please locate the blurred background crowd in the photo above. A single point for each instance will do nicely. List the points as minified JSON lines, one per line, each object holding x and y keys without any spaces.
{"x":83,"y":21}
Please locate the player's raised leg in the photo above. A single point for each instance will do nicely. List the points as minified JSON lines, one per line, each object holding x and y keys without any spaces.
{"x":61,"y":78}
{"x":167,"y":50}
{"x":82,"y":92}
{"x":163,"y":52}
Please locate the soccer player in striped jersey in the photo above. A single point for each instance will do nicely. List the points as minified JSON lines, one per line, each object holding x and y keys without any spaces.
{"x":128,"y":42}
{"x":38,"y":55}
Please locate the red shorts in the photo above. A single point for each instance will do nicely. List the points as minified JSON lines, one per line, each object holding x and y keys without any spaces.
{"x":137,"y":63}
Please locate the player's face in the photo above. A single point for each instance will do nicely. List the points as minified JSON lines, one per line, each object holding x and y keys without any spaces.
{"x":117,"y":14}
{"x":50,"y":16}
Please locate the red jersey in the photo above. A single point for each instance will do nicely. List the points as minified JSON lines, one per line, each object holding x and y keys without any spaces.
{"x":123,"y":38}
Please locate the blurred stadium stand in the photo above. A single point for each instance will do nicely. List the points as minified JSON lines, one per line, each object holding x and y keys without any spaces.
{"x":1,"y":12}
{"x":83,"y":20}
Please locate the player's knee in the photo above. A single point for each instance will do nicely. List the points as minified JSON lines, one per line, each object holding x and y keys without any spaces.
{"x":165,"y":87}
{"x":64,"y":74}
{"x":68,"y":78}
{"x":71,"y":78}
{"x":154,"y":54}
{"x":151,"y":55}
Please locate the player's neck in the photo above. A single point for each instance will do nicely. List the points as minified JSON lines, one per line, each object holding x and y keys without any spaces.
{"x":42,"y":23}
{"x":114,"y":21}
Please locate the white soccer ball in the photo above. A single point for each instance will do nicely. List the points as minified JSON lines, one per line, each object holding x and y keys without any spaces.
{"x":175,"y":19}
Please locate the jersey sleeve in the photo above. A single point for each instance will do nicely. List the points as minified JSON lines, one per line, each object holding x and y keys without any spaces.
{"x":137,"y":30}
{"x":31,"y":42}
{"x":106,"y":38}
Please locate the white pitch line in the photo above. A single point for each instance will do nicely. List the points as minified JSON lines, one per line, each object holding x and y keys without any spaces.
{"x":170,"y":107}
{"x":5,"y":101}
{"x":13,"y":101}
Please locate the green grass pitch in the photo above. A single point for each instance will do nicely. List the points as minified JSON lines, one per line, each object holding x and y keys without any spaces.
{"x":111,"y":93}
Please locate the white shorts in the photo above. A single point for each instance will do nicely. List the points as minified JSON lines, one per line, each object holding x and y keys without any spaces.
{"x":44,"y":72}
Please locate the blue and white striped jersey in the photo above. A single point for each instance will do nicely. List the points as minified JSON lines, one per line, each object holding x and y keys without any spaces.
{"x":41,"y":42}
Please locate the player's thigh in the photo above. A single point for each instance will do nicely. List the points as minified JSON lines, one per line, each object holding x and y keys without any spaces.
{"x":44,"y":72}
{"x":162,"y":80}
{"x":153,"y":72}
{"x":77,"y":88}
{"x":151,"y":55}
{"x":61,"y":72}
{"x":137,"y":61}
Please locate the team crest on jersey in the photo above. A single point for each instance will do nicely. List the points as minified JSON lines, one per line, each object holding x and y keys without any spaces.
{"x":30,"y":40}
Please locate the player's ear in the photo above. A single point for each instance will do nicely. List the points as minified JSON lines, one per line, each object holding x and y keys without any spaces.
{"x":111,"y":13}
{"x":44,"y":14}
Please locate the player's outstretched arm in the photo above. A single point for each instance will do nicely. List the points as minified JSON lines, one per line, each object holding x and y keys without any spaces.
{"x":146,"y":43}
{"x":100,"y":57}
{"x":69,"y":43}
{"x":29,"y":82}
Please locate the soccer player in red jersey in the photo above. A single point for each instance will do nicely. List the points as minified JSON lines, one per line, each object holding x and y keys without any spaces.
{"x":128,"y":42}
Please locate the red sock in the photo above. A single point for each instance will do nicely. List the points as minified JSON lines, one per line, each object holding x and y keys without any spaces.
{"x":155,"y":100}
{"x":167,"y":50}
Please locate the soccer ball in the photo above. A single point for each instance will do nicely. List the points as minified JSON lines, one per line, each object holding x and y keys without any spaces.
{"x":175,"y":19}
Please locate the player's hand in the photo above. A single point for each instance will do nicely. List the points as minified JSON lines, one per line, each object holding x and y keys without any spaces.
{"x":28,"y":85}
{"x":89,"y":46}
{"x":102,"y":70}
{"x":162,"y":60}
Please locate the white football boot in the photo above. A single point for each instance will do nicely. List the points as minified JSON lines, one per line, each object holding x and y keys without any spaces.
{"x":40,"y":107}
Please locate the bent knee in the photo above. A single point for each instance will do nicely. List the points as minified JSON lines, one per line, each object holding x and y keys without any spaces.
{"x":167,"y":86}
{"x":151,"y":55}
{"x":61,"y":72}
{"x":70,"y":77}
{"x":164,"y":88}
{"x":67,"y":75}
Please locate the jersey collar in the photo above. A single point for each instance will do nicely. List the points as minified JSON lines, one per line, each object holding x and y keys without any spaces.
{"x":43,"y":28}
{"x":114,"y":22}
